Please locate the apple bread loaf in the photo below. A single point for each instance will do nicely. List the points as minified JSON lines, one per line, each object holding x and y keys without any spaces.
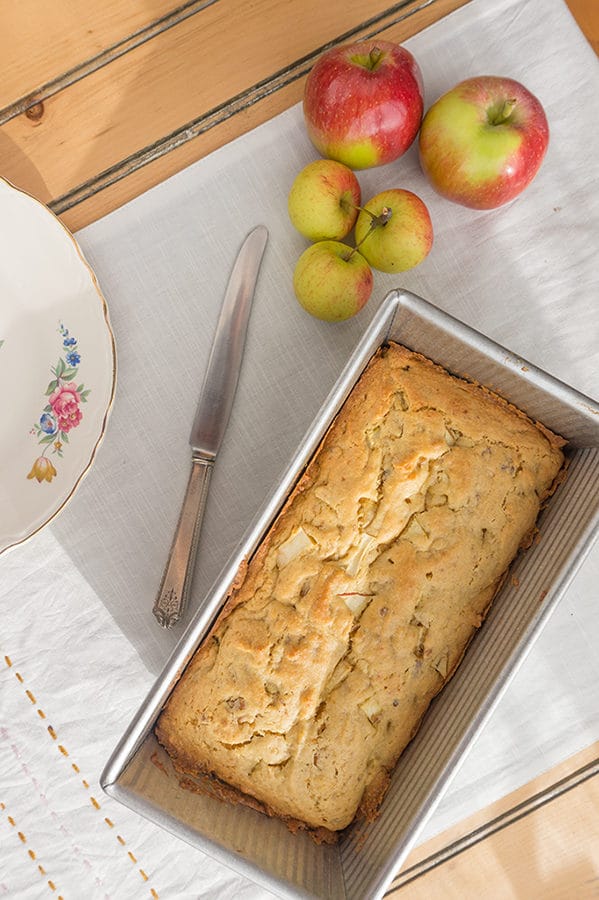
{"x":360,"y":601}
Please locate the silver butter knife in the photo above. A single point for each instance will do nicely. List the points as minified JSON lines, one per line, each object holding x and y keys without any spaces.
{"x":210,"y":422}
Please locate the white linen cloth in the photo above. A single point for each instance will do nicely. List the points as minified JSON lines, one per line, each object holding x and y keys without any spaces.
{"x":78,"y":645}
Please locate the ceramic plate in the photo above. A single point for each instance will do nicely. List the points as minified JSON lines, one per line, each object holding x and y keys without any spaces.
{"x":57,"y":365}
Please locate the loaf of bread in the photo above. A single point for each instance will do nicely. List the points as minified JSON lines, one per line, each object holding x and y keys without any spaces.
{"x":362,"y":598}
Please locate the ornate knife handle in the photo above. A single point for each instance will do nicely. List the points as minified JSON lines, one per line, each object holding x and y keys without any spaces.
{"x":176,"y":581}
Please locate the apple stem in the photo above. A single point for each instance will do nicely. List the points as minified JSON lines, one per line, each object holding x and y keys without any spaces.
{"x":367,"y":211}
{"x":374,"y":58}
{"x":504,"y":113}
{"x":375,"y":222}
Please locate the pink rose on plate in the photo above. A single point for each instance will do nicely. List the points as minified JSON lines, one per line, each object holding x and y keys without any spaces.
{"x":65,"y":406}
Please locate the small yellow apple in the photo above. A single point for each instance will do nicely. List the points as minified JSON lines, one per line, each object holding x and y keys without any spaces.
{"x":332,"y":281}
{"x":323,"y":201}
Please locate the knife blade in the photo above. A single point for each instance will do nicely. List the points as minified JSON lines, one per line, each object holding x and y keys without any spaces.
{"x":209,"y":425}
{"x":224,"y":362}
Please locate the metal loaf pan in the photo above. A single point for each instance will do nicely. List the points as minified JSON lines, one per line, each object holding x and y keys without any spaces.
{"x":364,"y":862}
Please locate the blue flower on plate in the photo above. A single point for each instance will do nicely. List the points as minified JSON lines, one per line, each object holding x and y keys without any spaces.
{"x":48,"y":423}
{"x":69,"y":342}
{"x":73,"y":358}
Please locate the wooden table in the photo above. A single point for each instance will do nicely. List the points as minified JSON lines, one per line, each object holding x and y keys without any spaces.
{"x":97,"y":104}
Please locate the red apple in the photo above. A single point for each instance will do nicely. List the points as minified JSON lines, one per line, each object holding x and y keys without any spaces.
{"x":483,"y":141}
{"x":363,"y":103}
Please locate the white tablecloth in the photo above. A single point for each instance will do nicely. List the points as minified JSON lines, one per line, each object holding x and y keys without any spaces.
{"x":78,"y":645}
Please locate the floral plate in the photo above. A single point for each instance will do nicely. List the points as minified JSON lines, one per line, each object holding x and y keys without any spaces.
{"x":57,"y":365}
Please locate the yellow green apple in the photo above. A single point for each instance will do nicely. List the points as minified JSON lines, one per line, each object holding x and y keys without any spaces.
{"x":483,"y":142}
{"x":394,"y":231}
{"x":324,"y":199}
{"x":332,"y":281}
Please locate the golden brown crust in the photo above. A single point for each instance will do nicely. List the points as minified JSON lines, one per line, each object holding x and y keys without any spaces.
{"x":362,"y":598}
{"x":211,"y":786}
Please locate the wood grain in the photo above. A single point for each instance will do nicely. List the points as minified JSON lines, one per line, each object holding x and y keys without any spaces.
{"x":40,"y":42}
{"x":218,"y":127}
{"x":175,"y":81}
{"x":541,"y":841}
{"x":586,"y":13}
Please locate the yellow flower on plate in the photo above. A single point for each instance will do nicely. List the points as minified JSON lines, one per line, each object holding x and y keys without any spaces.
{"x":42,"y":469}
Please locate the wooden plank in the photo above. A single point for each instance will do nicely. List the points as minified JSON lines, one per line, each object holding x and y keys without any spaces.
{"x":131,"y":180}
{"x":40,"y":42}
{"x":163,"y":84}
{"x":540,"y":841}
{"x":586,"y":13}
{"x":125,"y":108}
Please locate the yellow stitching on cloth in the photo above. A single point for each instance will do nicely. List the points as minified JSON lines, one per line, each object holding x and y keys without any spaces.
{"x":54,"y":816}
{"x":85,"y":784}
{"x":31,"y":853}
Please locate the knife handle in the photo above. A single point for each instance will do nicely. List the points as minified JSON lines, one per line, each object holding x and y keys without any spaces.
{"x":176,"y":580}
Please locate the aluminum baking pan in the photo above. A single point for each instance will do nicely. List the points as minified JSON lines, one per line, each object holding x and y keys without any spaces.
{"x":369,"y":855}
